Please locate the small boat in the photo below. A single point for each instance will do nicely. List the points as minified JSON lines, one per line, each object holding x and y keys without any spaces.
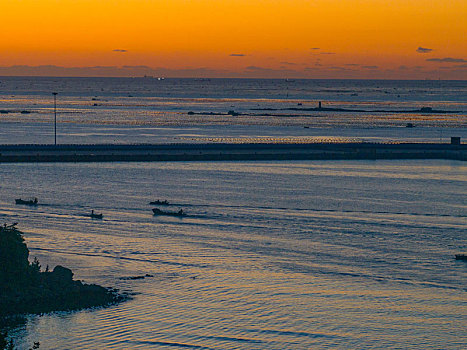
{"x":95,"y":216}
{"x":32,"y":201}
{"x":179,"y":213}
{"x":461,"y":257}
{"x":158,"y":202}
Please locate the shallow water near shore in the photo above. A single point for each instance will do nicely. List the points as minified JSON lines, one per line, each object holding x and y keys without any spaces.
{"x":272,"y":255}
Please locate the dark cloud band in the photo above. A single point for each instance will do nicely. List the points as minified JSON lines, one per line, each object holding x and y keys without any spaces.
{"x":423,"y":50}
{"x":447,"y":60}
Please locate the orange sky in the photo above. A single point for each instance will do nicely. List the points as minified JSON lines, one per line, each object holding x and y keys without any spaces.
{"x":276,"y":38}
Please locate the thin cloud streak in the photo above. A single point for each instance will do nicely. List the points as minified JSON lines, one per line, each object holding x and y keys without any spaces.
{"x":256,"y":68}
{"x":423,"y":50}
{"x":447,"y":60}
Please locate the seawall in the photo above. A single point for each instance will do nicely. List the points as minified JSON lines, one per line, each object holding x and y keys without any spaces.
{"x":226,"y":152}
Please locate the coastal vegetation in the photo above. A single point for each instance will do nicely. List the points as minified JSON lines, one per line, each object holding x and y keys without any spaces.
{"x":25,"y":288}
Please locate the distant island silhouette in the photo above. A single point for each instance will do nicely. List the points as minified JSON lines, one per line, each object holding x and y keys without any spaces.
{"x":333,"y":109}
{"x":423,"y":110}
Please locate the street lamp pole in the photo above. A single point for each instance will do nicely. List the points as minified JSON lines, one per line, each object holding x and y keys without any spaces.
{"x":55,"y":116}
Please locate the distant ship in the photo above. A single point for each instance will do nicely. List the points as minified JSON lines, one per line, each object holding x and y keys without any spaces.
{"x":152,"y":77}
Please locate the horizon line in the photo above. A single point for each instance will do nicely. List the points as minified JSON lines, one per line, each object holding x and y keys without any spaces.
{"x":216,"y":78}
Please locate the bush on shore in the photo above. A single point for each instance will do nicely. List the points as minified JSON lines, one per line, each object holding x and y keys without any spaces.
{"x":24,"y":288}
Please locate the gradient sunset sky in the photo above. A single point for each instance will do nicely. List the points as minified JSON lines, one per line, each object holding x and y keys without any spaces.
{"x":408,"y":39}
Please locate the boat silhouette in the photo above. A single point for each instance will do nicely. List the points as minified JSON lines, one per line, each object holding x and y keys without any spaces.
{"x":158,"y":212}
{"x":158,"y":202}
{"x":32,"y":201}
{"x":95,"y":216}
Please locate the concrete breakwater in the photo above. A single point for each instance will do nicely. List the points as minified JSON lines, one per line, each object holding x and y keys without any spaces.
{"x":225,"y":152}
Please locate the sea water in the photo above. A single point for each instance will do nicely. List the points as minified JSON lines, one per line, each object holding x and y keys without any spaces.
{"x":271,"y":255}
{"x":146,"y":110}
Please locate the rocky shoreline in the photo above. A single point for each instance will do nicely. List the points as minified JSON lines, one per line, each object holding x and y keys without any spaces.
{"x":26,"y":289}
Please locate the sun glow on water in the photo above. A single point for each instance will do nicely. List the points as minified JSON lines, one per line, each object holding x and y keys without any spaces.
{"x":271,"y":255}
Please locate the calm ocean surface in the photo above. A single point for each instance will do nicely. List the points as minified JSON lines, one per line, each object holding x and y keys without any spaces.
{"x":272,"y":255}
{"x":145,"y":110}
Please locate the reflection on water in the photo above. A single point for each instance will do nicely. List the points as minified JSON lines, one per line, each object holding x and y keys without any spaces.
{"x":272,"y":255}
{"x":126,"y":110}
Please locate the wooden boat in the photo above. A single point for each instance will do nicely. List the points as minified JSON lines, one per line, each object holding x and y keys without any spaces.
{"x":33,"y":201}
{"x":179,"y":213}
{"x":461,"y":257}
{"x":95,"y":216}
{"x":158,"y":202}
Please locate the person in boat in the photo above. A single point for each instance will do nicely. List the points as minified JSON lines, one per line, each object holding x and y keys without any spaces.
{"x":180,"y":212}
{"x":35,"y":200}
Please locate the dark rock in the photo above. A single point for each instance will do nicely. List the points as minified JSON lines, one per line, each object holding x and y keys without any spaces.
{"x":25,"y":289}
{"x":141,"y":277}
{"x":62,"y":273}
{"x":426,"y":109}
